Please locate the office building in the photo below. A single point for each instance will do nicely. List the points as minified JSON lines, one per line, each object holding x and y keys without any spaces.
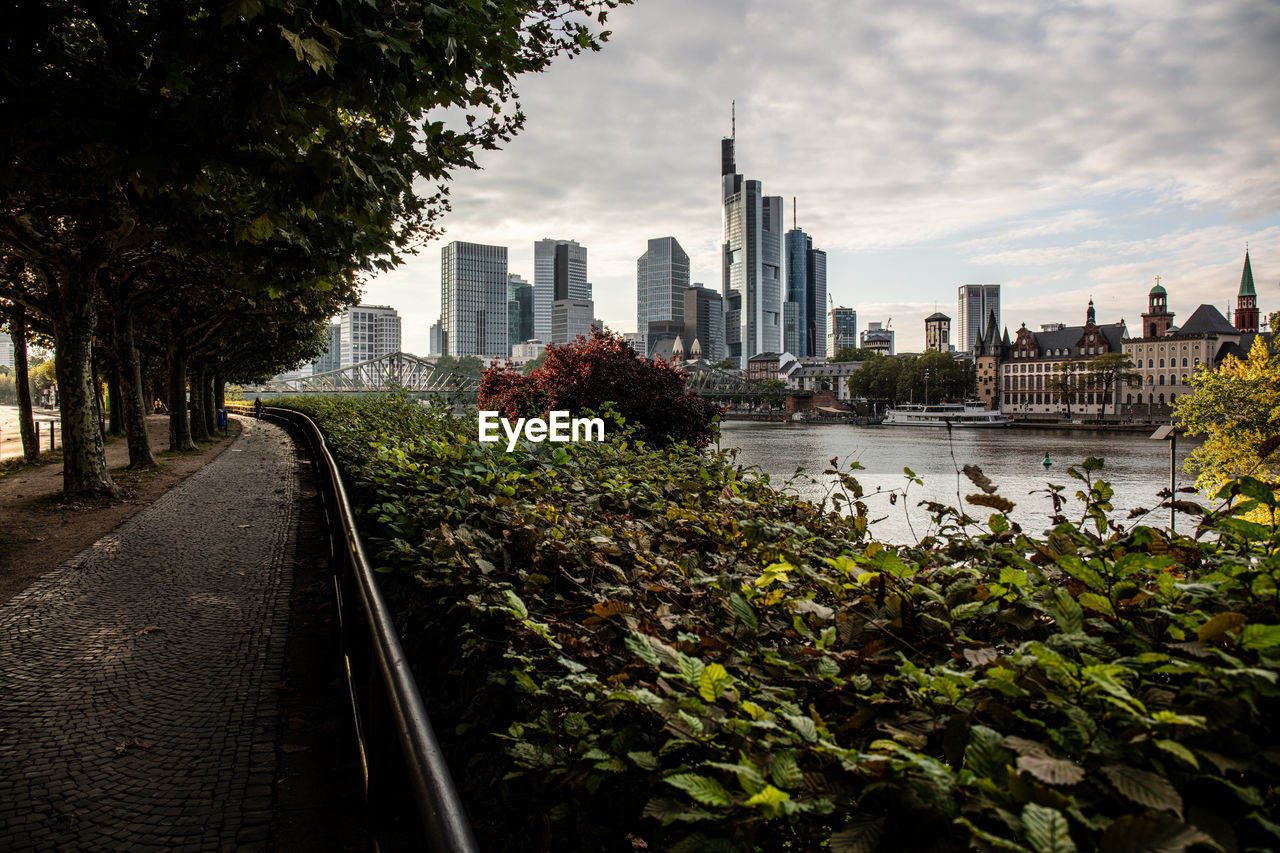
{"x":331,"y":358}
{"x":937,"y":332}
{"x":519,"y":310}
{"x":877,"y":339}
{"x":367,"y":332}
{"x":842,"y":330}
{"x":6,"y":351}
{"x":977,"y":302}
{"x":435,"y":339}
{"x":559,"y":272}
{"x":570,"y":319}
{"x":526,"y":351}
{"x":751,"y":259}
{"x":473,"y":300}
{"x":807,"y":289}
{"x":662,"y":277}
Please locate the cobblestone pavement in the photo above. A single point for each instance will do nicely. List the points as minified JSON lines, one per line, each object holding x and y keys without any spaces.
{"x":138,"y":681}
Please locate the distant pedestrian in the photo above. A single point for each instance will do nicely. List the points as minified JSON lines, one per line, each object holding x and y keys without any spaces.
{"x":156,"y":405}
{"x":257,"y":408}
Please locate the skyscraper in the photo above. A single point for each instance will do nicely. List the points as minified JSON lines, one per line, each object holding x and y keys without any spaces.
{"x":435,"y":339}
{"x":751,"y":262}
{"x":519,"y":310}
{"x":842,"y":330}
{"x":807,"y":288}
{"x":367,"y":332}
{"x":976,"y":303}
{"x":662,"y":277}
{"x":559,"y":272}
{"x":6,"y":351}
{"x":704,"y":322}
{"x":331,"y":358}
{"x":473,"y":299}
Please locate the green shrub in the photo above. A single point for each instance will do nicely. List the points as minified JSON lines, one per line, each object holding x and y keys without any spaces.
{"x":625,"y":648}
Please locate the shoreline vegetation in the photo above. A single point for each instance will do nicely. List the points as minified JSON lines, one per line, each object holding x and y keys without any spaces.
{"x":626,"y":647}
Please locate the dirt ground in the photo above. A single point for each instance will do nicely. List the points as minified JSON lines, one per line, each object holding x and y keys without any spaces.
{"x":38,"y":532}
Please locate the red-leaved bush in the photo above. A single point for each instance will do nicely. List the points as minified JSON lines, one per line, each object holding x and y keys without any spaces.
{"x":586,"y":374}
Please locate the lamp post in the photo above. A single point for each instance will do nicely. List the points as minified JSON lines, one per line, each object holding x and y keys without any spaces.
{"x":1169,"y":433}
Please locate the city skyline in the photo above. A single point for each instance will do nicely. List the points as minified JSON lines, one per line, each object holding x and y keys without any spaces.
{"x":1066,"y":152}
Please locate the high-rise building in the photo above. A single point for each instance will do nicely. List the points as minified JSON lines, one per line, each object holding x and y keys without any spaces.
{"x":937,"y":332}
{"x":473,"y":300}
{"x":751,"y":259}
{"x":6,"y":351}
{"x":878,"y":339}
{"x":842,"y":330}
{"x":366,"y":332}
{"x":807,"y":288}
{"x":435,"y":339}
{"x":704,"y":322}
{"x":519,"y":310}
{"x":976,"y":304}
{"x":559,"y":272}
{"x":571,"y":318}
{"x":662,"y":277}
{"x":331,"y":358}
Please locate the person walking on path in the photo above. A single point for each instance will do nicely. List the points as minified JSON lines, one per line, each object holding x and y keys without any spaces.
{"x":257,"y":408}
{"x":138,"y":700}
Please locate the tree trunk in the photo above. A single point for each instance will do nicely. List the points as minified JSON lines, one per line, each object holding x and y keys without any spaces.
{"x":179,"y":425}
{"x":199,"y":407}
{"x":219,"y":389}
{"x":115,"y":419}
{"x":133,"y":409}
{"x":84,"y":464}
{"x":22,"y":381}
{"x":210,"y":403}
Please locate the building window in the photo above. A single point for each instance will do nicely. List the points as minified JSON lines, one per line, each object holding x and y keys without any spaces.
{"x":1184,"y":359}
{"x":1161,"y":381}
{"x":1150,"y":363}
{"x":1162,"y":362}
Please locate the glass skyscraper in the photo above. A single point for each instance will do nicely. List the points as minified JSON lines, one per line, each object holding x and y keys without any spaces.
{"x":473,"y":300}
{"x":976,"y":304}
{"x":752,"y":263}
{"x":662,"y":277}
{"x":519,"y":310}
{"x":559,"y":272}
{"x":807,"y":288}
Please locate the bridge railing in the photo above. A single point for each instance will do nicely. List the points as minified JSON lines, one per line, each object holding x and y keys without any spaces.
{"x":393,"y":734}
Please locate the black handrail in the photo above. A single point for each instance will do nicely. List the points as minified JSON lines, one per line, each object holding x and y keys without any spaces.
{"x":391,"y":686}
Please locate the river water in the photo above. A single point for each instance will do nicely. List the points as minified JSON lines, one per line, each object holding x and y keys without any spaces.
{"x":1136,"y":466}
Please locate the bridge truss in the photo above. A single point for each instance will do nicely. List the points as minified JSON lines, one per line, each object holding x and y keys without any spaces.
{"x":399,"y":371}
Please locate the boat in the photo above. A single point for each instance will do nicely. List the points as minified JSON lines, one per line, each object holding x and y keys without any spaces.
{"x":967,"y":415}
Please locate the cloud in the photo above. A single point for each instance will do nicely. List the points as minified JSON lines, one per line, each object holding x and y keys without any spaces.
{"x":1056,"y":147}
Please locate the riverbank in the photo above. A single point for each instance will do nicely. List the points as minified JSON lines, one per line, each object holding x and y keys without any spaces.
{"x":1088,"y":426}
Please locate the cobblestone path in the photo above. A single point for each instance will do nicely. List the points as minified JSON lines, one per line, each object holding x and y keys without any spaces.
{"x":138,"y":681}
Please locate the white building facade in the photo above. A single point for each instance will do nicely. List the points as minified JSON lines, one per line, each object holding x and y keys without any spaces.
{"x":366,"y":332}
{"x":473,"y":300}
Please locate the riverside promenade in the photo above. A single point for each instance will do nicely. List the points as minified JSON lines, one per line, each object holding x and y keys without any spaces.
{"x":139,"y":681}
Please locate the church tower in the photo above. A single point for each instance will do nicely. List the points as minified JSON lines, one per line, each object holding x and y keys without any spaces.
{"x":1247,"y":300}
{"x":1157,"y":319}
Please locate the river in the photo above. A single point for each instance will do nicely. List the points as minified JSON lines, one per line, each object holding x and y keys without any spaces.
{"x":1136,"y":466}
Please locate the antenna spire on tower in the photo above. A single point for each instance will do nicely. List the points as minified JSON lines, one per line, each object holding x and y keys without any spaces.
{"x":793,"y":214}
{"x":733,"y":119}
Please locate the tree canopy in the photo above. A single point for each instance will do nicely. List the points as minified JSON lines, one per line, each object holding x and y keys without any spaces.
{"x":1237,"y":409}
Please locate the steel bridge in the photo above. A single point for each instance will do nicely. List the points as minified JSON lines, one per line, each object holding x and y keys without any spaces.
{"x":422,"y":377}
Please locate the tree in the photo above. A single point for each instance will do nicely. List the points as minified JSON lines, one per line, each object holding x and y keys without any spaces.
{"x":854,"y":354}
{"x":308,"y":136}
{"x":1237,"y":409}
{"x":1111,"y":369}
{"x":1064,"y":385}
{"x":590,"y":373}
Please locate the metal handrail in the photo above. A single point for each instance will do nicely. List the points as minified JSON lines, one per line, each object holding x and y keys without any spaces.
{"x":444,"y":820}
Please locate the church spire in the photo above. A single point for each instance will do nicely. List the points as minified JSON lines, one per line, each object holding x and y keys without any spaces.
{"x":1246,"y":278}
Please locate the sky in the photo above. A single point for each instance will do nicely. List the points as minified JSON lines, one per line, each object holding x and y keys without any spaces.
{"x":1065,"y":150}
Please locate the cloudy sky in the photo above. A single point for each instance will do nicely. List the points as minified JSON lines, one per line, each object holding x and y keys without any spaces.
{"x":1065,"y":150}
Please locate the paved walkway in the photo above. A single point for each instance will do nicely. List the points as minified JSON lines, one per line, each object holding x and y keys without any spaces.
{"x":138,"y":682}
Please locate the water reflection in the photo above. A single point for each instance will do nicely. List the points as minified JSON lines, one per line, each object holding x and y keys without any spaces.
{"x":1136,"y":467}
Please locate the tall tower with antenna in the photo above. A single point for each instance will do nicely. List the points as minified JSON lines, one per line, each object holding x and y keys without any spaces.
{"x":751,"y":259}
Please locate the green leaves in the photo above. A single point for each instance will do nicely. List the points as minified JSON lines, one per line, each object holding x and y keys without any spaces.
{"x":1144,"y":788}
{"x":704,"y":789}
{"x":1029,"y":694}
{"x":1047,"y":829}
